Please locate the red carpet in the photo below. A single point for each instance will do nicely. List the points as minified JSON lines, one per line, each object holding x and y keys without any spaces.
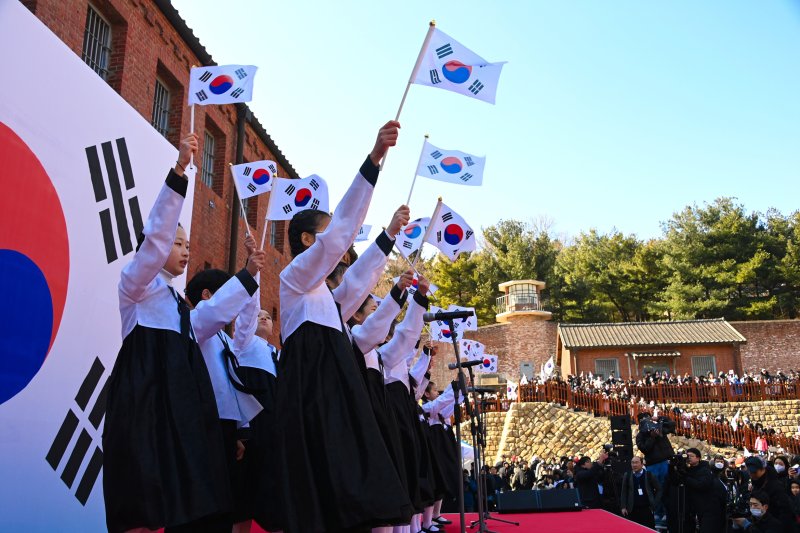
{"x":589,"y":521}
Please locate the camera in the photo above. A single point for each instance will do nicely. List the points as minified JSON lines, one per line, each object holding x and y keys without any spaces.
{"x":648,"y":424}
{"x":678,"y":467}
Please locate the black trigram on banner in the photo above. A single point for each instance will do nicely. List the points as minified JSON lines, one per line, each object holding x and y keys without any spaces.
{"x":205,"y":76}
{"x":287,"y":209}
{"x":83,"y":449}
{"x":123,"y":211}
{"x":435,"y":77}
{"x":313,"y":184}
{"x":444,"y":51}
{"x":436,"y":154}
{"x":247,"y":171}
{"x":468,"y":234}
{"x":201,"y":96}
{"x":432,"y":169}
{"x":314,"y":204}
{"x":407,"y":244}
{"x":466,"y":176}
{"x":251,"y":187}
{"x":241,"y":73}
{"x":238,"y":92}
{"x":468,"y":161}
{"x":290,"y":190}
{"x":447,"y":216}
{"x":476,"y":87}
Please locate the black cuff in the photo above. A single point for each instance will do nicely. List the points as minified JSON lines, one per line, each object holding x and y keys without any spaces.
{"x":399,"y":295}
{"x":428,"y":376}
{"x":384,"y":243}
{"x":370,"y":171}
{"x":421,"y":299}
{"x":248,"y":281}
{"x":177,"y":183}
{"x":243,"y":433}
{"x":426,"y":350}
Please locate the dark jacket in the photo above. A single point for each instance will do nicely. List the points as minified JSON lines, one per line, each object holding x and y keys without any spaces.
{"x":651,"y":487}
{"x":523,"y":479}
{"x":656,"y":448}
{"x":705,"y":493}
{"x":766,"y":524}
{"x":780,"y":506}
{"x":586,"y":481}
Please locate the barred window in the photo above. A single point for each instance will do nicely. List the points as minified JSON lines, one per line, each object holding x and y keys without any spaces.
{"x":97,"y":43}
{"x":604,"y":367}
{"x":207,"y":171}
{"x":703,"y":364}
{"x":161,"y":109}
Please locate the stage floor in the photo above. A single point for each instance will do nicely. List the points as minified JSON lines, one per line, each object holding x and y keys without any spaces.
{"x":586,"y":521}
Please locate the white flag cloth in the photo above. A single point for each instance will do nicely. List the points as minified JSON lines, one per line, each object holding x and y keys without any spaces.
{"x":409,"y":240}
{"x":451,"y":166}
{"x":363,"y":233}
{"x":549,"y":366}
{"x":735,"y":420}
{"x":450,"y":233}
{"x":415,"y":284}
{"x":464,"y":324}
{"x":523,"y":380}
{"x":254,"y":178}
{"x":470,"y":349}
{"x":489,"y":363}
{"x":224,"y":84}
{"x":447,"y":64}
{"x":511,"y":390}
{"x":292,"y":196}
{"x":440,"y":331}
{"x":467,"y":454}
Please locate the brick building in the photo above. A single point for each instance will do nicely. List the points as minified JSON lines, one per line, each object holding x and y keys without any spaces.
{"x":143,"y":49}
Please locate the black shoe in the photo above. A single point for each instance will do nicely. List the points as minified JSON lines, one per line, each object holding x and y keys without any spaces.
{"x":428,"y":530}
{"x":442,"y":520}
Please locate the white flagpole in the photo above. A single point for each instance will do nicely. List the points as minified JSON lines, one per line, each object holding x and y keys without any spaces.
{"x":191,"y":130}
{"x":244,"y":216}
{"x":416,"y":171}
{"x":428,"y":230}
{"x":264,"y":233}
{"x":431,"y":27}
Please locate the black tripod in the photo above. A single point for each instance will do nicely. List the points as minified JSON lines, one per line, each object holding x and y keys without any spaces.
{"x":473,"y":409}
{"x":478,"y":428}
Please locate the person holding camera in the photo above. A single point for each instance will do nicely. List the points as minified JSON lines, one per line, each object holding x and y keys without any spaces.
{"x":640,"y":494}
{"x":652,"y":441}
{"x":765,"y":479}
{"x":588,"y":476}
{"x":761,"y":521}
{"x":706,"y":495}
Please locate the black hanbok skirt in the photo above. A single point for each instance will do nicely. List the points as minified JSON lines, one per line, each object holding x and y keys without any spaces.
{"x":332,"y":468}
{"x":443,"y":446}
{"x":256,"y":495}
{"x":163,"y":455}
{"x":434,"y":472}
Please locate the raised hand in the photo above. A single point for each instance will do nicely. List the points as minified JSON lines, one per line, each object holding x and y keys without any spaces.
{"x":387,"y":137}
{"x":250,"y":245}
{"x":406,"y":279}
{"x":186,"y":149}
{"x":399,"y":219}
{"x":424,"y":285}
{"x":256,"y":262}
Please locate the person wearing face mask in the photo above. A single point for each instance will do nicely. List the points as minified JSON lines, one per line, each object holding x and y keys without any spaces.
{"x":762,"y":521}
{"x":705,"y":495}
{"x":781,"y":466}
{"x":765,"y":480}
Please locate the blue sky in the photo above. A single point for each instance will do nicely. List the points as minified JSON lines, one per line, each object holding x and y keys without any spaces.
{"x":609,"y":114}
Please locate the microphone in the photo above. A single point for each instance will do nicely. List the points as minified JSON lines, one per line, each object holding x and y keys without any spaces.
{"x":453,"y":366}
{"x":480,"y":390}
{"x":446,"y":315}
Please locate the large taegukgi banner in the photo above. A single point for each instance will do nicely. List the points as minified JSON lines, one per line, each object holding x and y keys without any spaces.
{"x":79,"y":171}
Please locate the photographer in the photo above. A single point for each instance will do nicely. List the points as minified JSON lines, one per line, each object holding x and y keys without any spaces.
{"x":706,"y":496}
{"x":765,"y":479}
{"x":762,"y":520}
{"x":588,"y":475}
{"x":640,"y":494}
{"x":652,"y":441}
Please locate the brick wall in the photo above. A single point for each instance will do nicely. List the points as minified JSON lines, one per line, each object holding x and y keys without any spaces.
{"x":772,"y":344}
{"x":146,"y":46}
{"x":723,"y":354}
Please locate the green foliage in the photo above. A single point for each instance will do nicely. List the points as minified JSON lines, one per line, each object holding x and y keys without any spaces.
{"x":712,"y":261}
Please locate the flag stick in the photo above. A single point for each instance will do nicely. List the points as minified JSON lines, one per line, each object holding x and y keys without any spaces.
{"x":244,"y":216}
{"x":191,"y":130}
{"x":431,"y":27}
{"x":428,"y":230}
{"x":416,"y":171}
{"x":264,"y":233}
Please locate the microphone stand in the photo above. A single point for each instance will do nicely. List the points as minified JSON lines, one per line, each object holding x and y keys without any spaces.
{"x":478,"y":428}
{"x":460,"y":385}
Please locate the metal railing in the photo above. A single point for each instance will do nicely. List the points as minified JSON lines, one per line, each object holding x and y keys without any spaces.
{"x":519,"y":301}
{"x":716,"y":433}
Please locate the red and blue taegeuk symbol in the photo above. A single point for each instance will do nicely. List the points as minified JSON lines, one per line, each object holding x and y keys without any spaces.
{"x":446,"y":333}
{"x":221,"y":84}
{"x":487,"y":363}
{"x":34,"y":264}
{"x":415,"y":282}
{"x":451,"y":165}
{"x":412,"y":231}
{"x":453,"y":234}
{"x":261,"y":176}
{"x":456,"y":71}
{"x":302,"y":197}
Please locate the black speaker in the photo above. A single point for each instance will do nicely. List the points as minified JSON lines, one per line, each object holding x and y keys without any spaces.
{"x":622,"y":422}
{"x":528,"y":501}
{"x":559,"y":500}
